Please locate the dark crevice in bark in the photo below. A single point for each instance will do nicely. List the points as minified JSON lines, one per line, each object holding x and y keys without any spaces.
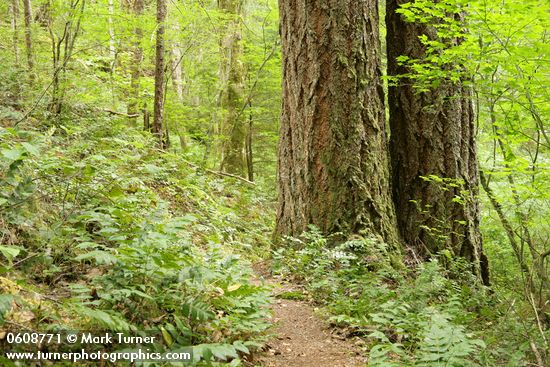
{"x":433,"y":134}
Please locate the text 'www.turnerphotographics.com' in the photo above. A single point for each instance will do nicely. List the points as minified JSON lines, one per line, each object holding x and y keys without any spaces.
{"x":88,"y":346}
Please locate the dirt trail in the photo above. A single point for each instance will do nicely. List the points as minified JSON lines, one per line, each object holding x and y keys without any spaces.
{"x":302,"y":339}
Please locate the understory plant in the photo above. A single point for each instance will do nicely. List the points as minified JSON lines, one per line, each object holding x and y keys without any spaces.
{"x":430,"y":314}
{"x":101,"y":232}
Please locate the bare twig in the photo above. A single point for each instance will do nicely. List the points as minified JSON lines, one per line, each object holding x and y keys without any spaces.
{"x":221,"y":173}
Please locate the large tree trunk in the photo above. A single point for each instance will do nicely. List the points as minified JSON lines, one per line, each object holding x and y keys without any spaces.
{"x":28,"y":36}
{"x":333,"y":161}
{"x":233,"y":129}
{"x":158,"y":114}
{"x":432,"y":134}
{"x":135,"y":67}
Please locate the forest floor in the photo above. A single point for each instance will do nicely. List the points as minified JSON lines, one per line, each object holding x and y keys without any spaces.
{"x":301,"y":337}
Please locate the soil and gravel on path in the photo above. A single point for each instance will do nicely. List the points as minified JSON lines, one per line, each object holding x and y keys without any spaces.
{"x":301,"y":337}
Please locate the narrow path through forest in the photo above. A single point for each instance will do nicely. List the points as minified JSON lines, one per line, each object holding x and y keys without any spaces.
{"x":301,"y":337}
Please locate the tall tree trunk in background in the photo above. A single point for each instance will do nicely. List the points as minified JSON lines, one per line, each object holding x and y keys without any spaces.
{"x":158,"y":114}
{"x":233,"y":128}
{"x":112,"y":49}
{"x":177,"y":73}
{"x":177,"y":81}
{"x":28,"y":37}
{"x":249,"y":149}
{"x":15,"y":29}
{"x":135,"y":67}
{"x":62,"y":50}
{"x":433,"y":133}
{"x":333,"y":159}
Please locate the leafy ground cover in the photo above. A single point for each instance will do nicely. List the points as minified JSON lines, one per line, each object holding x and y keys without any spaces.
{"x":433,"y":314}
{"x":102,"y":232}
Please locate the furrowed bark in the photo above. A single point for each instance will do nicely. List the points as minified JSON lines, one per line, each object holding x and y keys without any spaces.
{"x":432,"y":134}
{"x":333,"y":167}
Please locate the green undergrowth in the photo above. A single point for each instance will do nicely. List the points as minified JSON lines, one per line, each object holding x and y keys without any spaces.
{"x":102,"y":232}
{"x":434,"y":314}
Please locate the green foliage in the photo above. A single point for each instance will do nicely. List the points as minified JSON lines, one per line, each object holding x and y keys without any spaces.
{"x":501,"y":50}
{"x":131,"y":238}
{"x":98,"y":229}
{"x":443,"y":59}
{"x":427,"y":316}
